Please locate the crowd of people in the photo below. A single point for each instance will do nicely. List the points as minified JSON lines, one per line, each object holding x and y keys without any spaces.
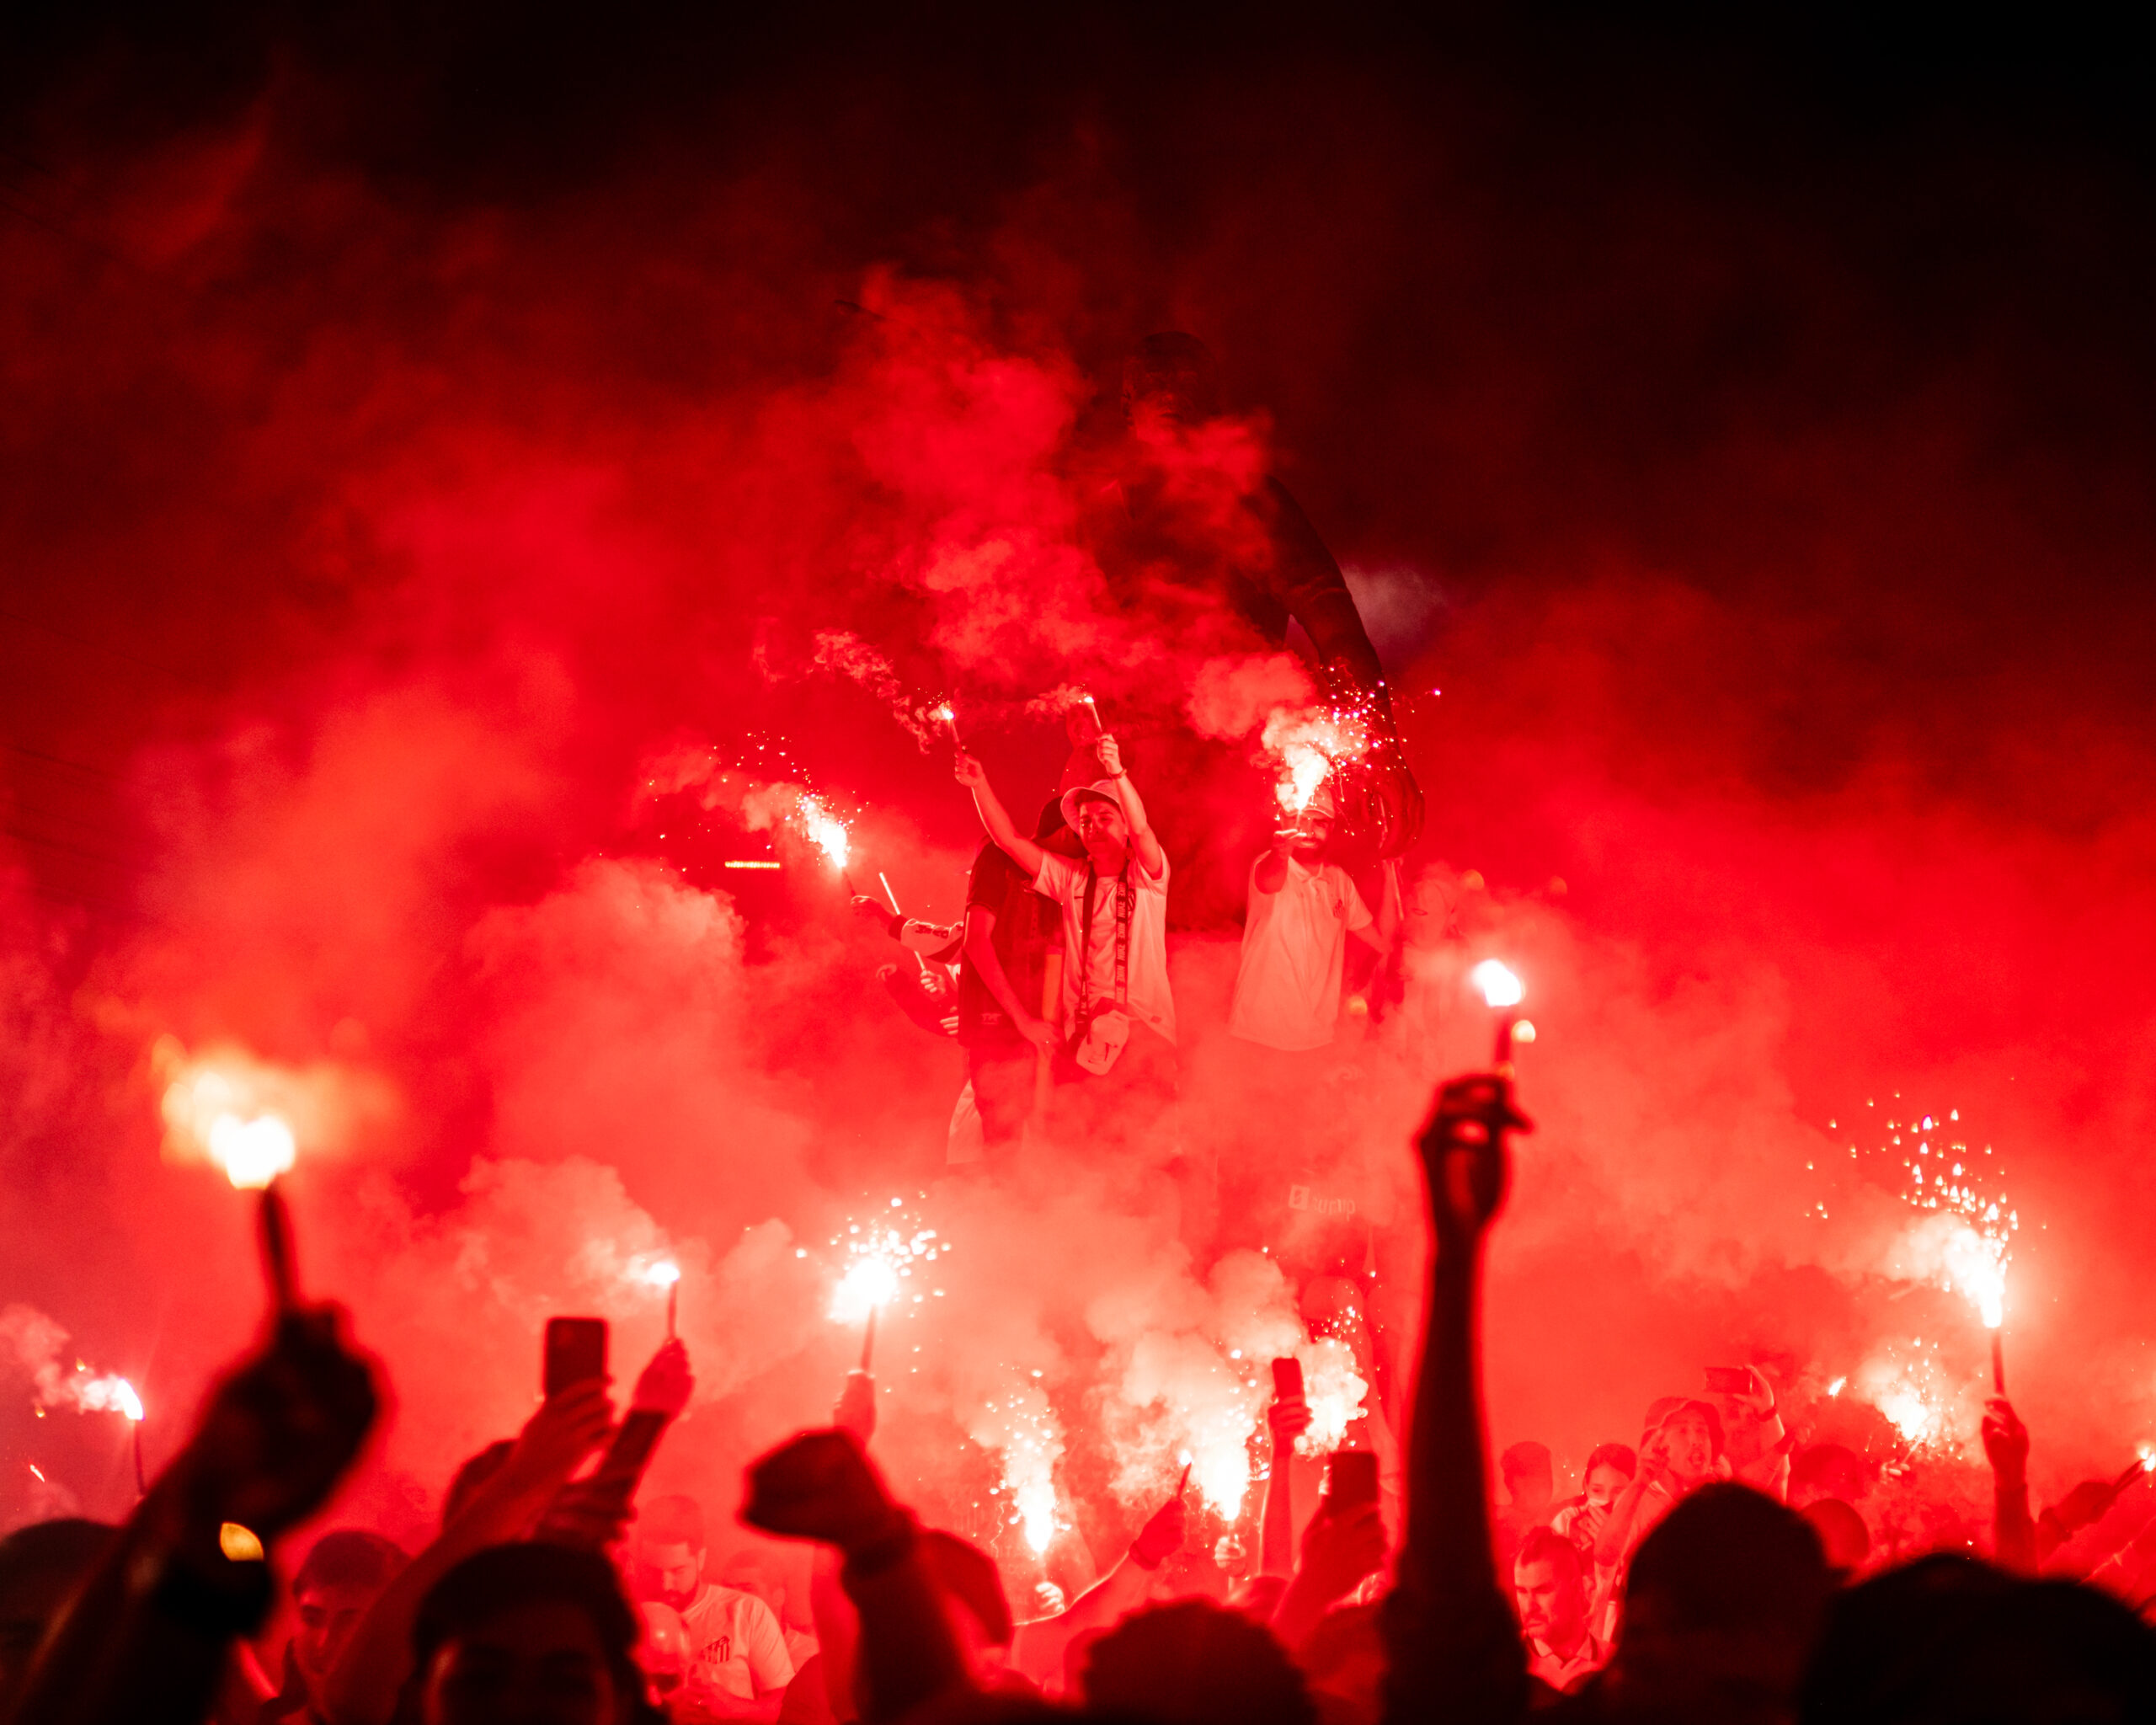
{"x":1705,"y":1574}
{"x":1708,"y":1570}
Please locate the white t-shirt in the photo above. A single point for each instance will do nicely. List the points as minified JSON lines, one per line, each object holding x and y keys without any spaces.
{"x":1295,"y":953}
{"x":738,"y":1648}
{"x":1150,"y":1003}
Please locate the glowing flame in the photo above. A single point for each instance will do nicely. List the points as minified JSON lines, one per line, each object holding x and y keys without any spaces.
{"x":663,"y":1274}
{"x":825,"y":830}
{"x":871,"y":1282}
{"x":1334,"y":1389}
{"x":1021,"y":1423}
{"x":1976,"y":1269}
{"x":1499,"y":987}
{"x":252,"y":1152}
{"x":1907,"y":1411}
{"x":2148,"y":1454}
{"x":1306,"y":747}
{"x":228,"y":1111}
{"x":112,"y":1395}
{"x":879,"y":1256}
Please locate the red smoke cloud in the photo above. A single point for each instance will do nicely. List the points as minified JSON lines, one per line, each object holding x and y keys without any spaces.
{"x":396,"y":533}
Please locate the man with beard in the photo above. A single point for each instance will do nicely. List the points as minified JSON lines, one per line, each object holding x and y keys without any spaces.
{"x":1191,"y":531}
{"x":739,"y":1667}
{"x":1549,"y":1590}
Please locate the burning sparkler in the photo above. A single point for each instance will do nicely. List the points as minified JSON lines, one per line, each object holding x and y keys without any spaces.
{"x":1967,"y":1240}
{"x":880,"y":1255}
{"x":223,"y":1112}
{"x":825,"y":830}
{"x":1501,"y":991}
{"x":667,"y":1274}
{"x":946,"y":716}
{"x":1020,"y":1423}
{"x":1307,"y":746}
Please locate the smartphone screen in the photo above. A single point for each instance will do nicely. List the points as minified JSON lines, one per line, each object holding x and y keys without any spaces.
{"x":1729,"y":1380}
{"x":576,"y":1351}
{"x":1351,"y":1480}
{"x":1287,"y":1378}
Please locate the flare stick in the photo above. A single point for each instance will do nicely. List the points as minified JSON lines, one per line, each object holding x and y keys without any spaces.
{"x":276,"y":1240}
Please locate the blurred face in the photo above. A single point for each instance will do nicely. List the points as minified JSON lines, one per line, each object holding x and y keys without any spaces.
{"x":1552,"y":1603}
{"x":1533,"y":1489}
{"x":328,"y":1616}
{"x":1163,"y":394}
{"x":675,"y":1572}
{"x":1102,"y":829}
{"x":536,"y":1665}
{"x":1604,"y":1486}
{"x":1689,"y":1446}
{"x":1313,"y":834}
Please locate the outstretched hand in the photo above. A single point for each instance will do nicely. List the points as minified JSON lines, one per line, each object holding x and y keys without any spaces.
{"x":969,"y":771}
{"x":279,"y":1432}
{"x":1289,"y":1417}
{"x":2006,"y":1439}
{"x":1464,"y":1156}
{"x":1338,"y":1550}
{"x":1109,"y":753}
{"x":570,"y":1423}
{"x":1163,"y":1534}
{"x":855,"y":1409}
{"x":665,"y":1385}
{"x":820,"y":1486}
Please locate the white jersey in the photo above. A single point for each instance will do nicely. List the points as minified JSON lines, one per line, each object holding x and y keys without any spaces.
{"x":1295,"y":954}
{"x":1149,"y":1002}
{"x":737,"y":1646}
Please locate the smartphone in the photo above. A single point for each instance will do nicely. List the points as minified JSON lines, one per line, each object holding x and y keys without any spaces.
{"x":1287,"y":1379}
{"x":576,"y":1351}
{"x":1729,"y":1380}
{"x":1351,"y":1480}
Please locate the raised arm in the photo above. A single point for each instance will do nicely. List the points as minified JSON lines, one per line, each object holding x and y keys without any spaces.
{"x":1454,"y":1648}
{"x":1038,"y":1648}
{"x":1288,"y":1418}
{"x":1144,"y":845}
{"x":149,"y":1638}
{"x":820,"y":1486}
{"x":995,"y":818}
{"x":362,"y":1689}
{"x":2006,"y":1447}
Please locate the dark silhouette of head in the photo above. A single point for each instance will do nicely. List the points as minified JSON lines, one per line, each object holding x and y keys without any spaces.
{"x":1948,"y":1638}
{"x":511,"y":1617}
{"x":1528,"y":1474}
{"x":1194,"y":1663}
{"x":40,"y":1568}
{"x":1825,"y":1470}
{"x":1722,"y":1606}
{"x":1842,"y":1533}
{"x":1171,"y":380}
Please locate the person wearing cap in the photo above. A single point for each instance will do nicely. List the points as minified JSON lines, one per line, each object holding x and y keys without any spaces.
{"x":1118,"y":1015}
{"x":1681,"y":1449}
{"x":1303,"y":907}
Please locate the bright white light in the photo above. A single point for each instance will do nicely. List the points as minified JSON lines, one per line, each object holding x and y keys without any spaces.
{"x":867,"y":1284}
{"x":826,"y":830}
{"x":663,"y":1274}
{"x":1499,"y":987}
{"x":252,"y":1152}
